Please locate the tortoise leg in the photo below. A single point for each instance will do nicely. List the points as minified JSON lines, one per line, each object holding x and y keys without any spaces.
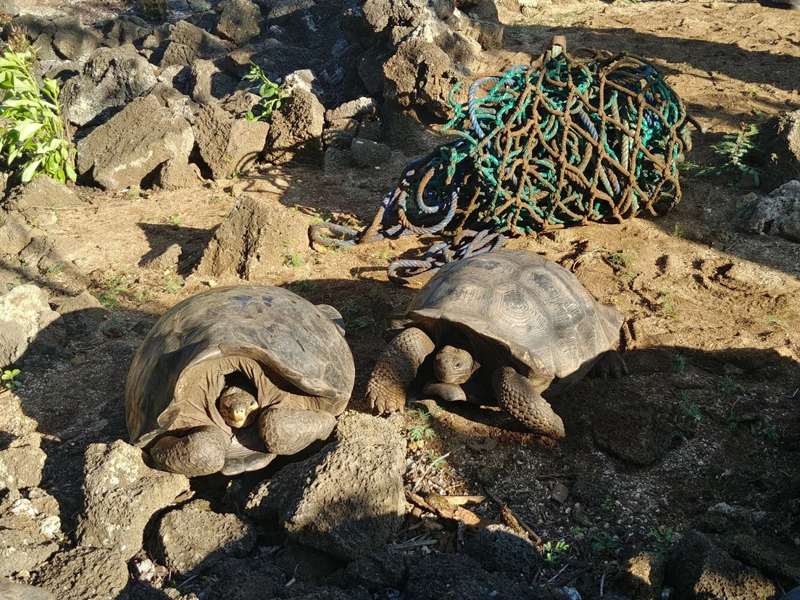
{"x":201,"y":451}
{"x":611,"y":364}
{"x":287,"y":431}
{"x":449,"y":392}
{"x":396,"y":369}
{"x":518,"y":397}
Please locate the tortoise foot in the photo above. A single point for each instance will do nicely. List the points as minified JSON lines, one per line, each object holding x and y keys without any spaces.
{"x":519,"y":398}
{"x":396,"y":369}
{"x":287,"y":431}
{"x":193,"y":453}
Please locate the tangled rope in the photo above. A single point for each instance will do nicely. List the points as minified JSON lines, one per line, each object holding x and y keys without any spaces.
{"x":564,"y":141}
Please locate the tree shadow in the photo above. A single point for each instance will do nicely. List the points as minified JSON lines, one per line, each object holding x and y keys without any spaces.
{"x":763,"y":67}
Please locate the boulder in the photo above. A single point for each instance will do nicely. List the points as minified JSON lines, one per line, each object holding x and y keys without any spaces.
{"x":85,"y":574}
{"x":778,"y":142}
{"x":254,"y":240}
{"x":239,"y":20}
{"x":20,"y":591}
{"x":175,"y":175}
{"x":22,"y":462}
{"x":239,"y":103}
{"x":766,"y":553}
{"x":697,"y":569}
{"x":14,"y":423}
{"x":354,"y":108}
{"x":72,"y":40}
{"x":439,"y":576}
{"x":15,"y":233}
{"x":348,"y":500}
{"x":420,"y":76}
{"x":296,"y":130}
{"x":499,"y":549}
{"x":195,"y":536}
{"x":251,"y":578}
{"x":776,"y":213}
{"x":121,"y":495}
{"x":127,"y":29}
{"x":281,"y":9}
{"x":38,"y":200}
{"x":642,"y":576}
{"x":124,"y":151}
{"x":24,"y":312}
{"x":209,"y":83}
{"x":30,"y":530}
{"x":367,"y":153}
{"x":632,"y":430}
{"x":111,"y":78}
{"x":188,"y":42}
{"x":227,"y":145}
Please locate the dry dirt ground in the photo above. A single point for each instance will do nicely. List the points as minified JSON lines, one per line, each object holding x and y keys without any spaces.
{"x":711,"y":410}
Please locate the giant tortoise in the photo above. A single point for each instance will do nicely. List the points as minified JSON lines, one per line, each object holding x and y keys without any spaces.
{"x":230,"y":378}
{"x":508,"y":322}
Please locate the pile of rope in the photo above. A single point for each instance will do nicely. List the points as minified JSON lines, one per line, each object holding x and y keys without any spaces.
{"x":564,"y":141}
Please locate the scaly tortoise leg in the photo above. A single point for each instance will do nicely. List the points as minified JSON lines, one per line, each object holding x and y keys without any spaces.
{"x":519,"y":398}
{"x":198,"y":452}
{"x":396,"y":369}
{"x":287,"y":431}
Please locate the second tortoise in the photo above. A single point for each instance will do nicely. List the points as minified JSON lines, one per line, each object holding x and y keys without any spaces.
{"x":513,"y":322}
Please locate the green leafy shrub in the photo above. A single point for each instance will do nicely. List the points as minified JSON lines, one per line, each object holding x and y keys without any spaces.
{"x":737,"y":151}
{"x":271,"y":94}
{"x":32,"y":135}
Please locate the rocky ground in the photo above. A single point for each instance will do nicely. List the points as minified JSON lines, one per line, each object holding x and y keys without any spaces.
{"x":680,"y":479}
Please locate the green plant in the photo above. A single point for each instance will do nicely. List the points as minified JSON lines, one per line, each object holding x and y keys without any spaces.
{"x":663,"y":537}
{"x":172,"y":285}
{"x":33,"y":139}
{"x":175,"y":220}
{"x":552,"y":552}
{"x":665,"y":305}
{"x":602,"y":541}
{"x":294,"y":260}
{"x":679,"y":363}
{"x":728,"y":387}
{"x":621,"y":260}
{"x":271,"y":95}
{"x":113,"y":288}
{"x":735,"y":150}
{"x":8,"y":378}
{"x":690,"y":410}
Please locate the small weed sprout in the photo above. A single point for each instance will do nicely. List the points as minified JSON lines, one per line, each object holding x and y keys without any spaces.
{"x":679,"y":363}
{"x":553,"y":551}
{"x":603,"y":541}
{"x":420,"y":431}
{"x":735,"y":150}
{"x":270,"y":93}
{"x":33,"y":139}
{"x":172,"y":285}
{"x":728,"y":387}
{"x":294,"y":260}
{"x":663,"y":537}
{"x":665,"y":306}
{"x":175,"y":220}
{"x":8,"y":378}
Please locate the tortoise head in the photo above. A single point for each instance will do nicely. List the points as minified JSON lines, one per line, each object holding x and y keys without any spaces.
{"x":237,"y":407}
{"x":454,"y":365}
